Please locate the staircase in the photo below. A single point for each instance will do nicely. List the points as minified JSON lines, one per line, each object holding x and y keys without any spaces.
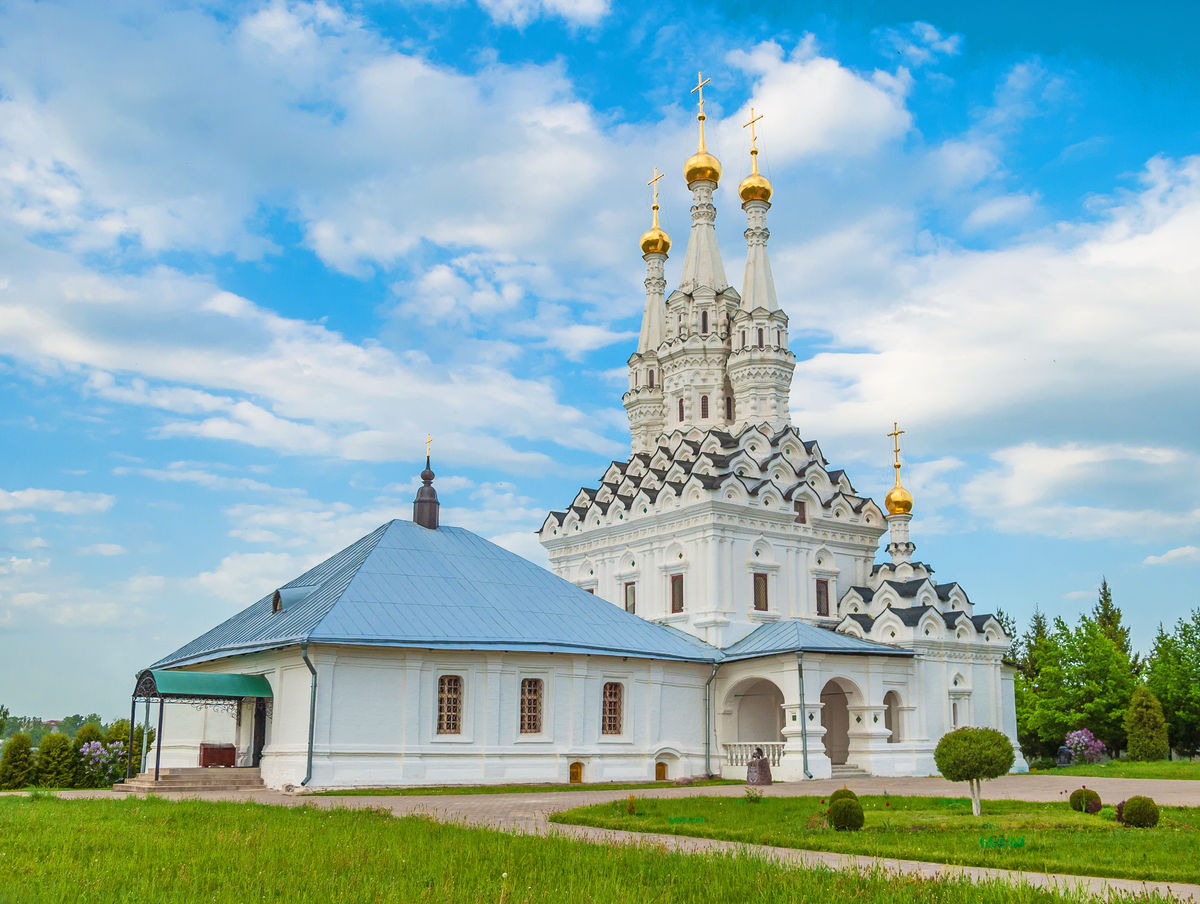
{"x":194,"y":780}
{"x":847,"y":771}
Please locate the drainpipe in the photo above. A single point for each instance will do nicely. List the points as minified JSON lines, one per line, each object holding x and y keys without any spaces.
{"x":803,"y":713}
{"x":708,"y":720}
{"x":312,"y":711}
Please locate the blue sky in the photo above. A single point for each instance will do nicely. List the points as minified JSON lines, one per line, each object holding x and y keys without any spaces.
{"x":251,"y":254}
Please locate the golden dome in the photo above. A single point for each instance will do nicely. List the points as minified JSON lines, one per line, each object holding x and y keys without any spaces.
{"x":755,"y":187}
{"x":702,"y":167}
{"x":655,"y":241}
{"x":898,"y":501}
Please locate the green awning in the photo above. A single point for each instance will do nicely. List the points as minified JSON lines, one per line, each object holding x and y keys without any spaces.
{"x":166,"y":683}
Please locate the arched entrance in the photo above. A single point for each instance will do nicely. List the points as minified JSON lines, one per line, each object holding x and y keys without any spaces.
{"x":891,"y":716}
{"x":758,"y":705}
{"x":836,"y":696}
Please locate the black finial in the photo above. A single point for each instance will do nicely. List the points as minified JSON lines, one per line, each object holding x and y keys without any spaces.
{"x":426,"y":505}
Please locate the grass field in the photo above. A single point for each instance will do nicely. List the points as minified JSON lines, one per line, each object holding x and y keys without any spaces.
{"x":514,"y":789}
{"x":1041,"y":837}
{"x":1176,"y":769}
{"x":134,"y":851}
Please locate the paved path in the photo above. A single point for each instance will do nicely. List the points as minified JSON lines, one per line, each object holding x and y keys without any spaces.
{"x":529,"y":812}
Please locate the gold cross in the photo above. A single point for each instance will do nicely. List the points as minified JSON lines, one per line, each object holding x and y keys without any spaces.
{"x":896,"y":434}
{"x":654,"y":207}
{"x":428,"y":443}
{"x":700,"y":83}
{"x":753,"y":120}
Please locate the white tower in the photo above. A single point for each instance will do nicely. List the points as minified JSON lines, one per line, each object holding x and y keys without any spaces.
{"x":644,"y":399}
{"x":760,"y":363}
{"x":899,"y":503}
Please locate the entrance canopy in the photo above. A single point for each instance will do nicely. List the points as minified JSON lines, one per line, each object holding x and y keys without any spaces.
{"x":168,"y":684}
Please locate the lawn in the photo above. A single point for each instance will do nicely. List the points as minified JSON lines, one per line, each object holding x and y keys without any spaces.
{"x":1176,"y":769}
{"x":134,"y":851}
{"x":514,"y":789}
{"x":1039,"y":837}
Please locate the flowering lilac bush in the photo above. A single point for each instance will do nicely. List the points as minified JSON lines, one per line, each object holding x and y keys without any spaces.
{"x":102,"y":764}
{"x":1084,"y":746}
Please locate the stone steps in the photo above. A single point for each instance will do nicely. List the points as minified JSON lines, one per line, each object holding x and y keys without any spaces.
{"x":849,"y":770}
{"x":194,"y":779}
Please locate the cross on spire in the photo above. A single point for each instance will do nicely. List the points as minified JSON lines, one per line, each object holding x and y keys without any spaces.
{"x":700,"y":117}
{"x":654,"y":182}
{"x":428,"y":443}
{"x":896,"y":434}
{"x":753,"y":141}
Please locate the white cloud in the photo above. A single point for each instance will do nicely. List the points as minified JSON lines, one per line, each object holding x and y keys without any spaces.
{"x":1179,"y":556}
{"x":66,"y":502}
{"x":920,"y":43}
{"x":997,"y":211}
{"x":103,"y":549}
{"x":522,"y":12}
{"x":182,"y":472}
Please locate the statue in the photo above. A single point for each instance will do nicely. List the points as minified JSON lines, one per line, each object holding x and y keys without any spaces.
{"x":758,"y":770}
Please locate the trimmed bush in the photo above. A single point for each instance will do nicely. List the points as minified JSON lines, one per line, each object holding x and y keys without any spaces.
{"x":842,"y":794}
{"x":1146,"y":727}
{"x":971,"y":755}
{"x":56,"y":761}
{"x":17,"y":768}
{"x":846,"y":814}
{"x":1140,"y":812}
{"x":1084,"y":799}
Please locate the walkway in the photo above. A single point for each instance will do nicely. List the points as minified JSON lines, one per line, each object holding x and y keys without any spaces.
{"x":529,"y":813}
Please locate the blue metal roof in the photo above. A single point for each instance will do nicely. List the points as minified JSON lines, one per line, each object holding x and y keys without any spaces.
{"x":793,"y":635}
{"x":405,"y":586}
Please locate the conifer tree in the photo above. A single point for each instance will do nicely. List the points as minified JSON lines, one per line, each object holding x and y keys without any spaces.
{"x":17,"y":768}
{"x":1108,"y":616}
{"x":1173,"y":675}
{"x":1145,"y":726}
{"x":56,"y":761}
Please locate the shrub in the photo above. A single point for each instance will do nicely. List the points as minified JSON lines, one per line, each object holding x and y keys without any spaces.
{"x":103,"y":763}
{"x":846,"y":814}
{"x":1043,"y":763}
{"x":1083,"y":799}
{"x":87,"y":734}
{"x":1140,"y":812}
{"x":17,"y":768}
{"x":56,"y":761}
{"x":841,"y":793}
{"x":1146,"y":727}
{"x":971,"y":755}
{"x":631,"y":805}
{"x":753,"y":795}
{"x":1084,"y":746}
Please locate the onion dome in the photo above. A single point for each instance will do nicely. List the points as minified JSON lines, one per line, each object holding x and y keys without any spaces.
{"x":702,"y":167}
{"x":898,"y":501}
{"x":755,"y":187}
{"x":655,"y":241}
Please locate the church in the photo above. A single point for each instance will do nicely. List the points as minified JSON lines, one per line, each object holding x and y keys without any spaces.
{"x":715,"y":593}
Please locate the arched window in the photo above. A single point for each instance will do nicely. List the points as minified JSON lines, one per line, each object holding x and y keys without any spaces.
{"x":891,"y":716}
{"x":681,"y":411}
{"x":704,"y":406}
{"x":612,"y":708}
{"x":729,"y":408}
{"x":778,"y":337}
{"x":652,"y":378}
{"x":760,"y":337}
{"x":449,"y":704}
{"x":531,"y":705}
{"x":704,"y":322}
{"x":743,"y":338}
{"x":760,"y":592}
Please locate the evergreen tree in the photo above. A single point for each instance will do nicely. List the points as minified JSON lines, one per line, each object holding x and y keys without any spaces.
{"x":1009,"y":624}
{"x":56,"y":762}
{"x":3,"y":719}
{"x":17,"y":768}
{"x":1108,"y":616}
{"x":1145,"y":727}
{"x":1173,"y":675}
{"x":1037,"y":734}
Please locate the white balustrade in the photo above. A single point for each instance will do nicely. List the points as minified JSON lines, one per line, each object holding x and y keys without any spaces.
{"x":742,"y":752}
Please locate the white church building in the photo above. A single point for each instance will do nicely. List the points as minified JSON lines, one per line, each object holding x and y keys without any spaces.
{"x":715,"y":593}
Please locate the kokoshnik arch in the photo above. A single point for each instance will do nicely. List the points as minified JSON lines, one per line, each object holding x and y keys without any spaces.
{"x":715,"y":593}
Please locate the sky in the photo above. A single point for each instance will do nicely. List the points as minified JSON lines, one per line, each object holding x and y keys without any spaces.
{"x":251,"y":254}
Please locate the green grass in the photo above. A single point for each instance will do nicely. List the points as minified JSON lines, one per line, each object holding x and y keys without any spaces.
{"x":514,"y":789}
{"x":1170,"y":769}
{"x":134,"y":851}
{"x":1056,"y":839}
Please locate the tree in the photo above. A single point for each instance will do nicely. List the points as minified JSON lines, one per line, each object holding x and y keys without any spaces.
{"x":1009,"y":624}
{"x":973,"y":755}
{"x":87,"y":733}
{"x":1145,"y":726}
{"x":1173,"y":675}
{"x":1108,"y":616}
{"x":3,"y":719}
{"x":56,"y":762}
{"x":17,"y":768}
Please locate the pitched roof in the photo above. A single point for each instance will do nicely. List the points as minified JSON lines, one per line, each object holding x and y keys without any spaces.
{"x":793,"y":635}
{"x":405,"y":586}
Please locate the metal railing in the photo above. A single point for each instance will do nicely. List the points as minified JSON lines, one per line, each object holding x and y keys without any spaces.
{"x":742,"y":752}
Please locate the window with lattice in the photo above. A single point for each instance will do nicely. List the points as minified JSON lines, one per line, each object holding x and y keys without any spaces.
{"x":822,"y":597}
{"x":612,"y":708}
{"x":450,"y":698}
{"x":760,"y":593}
{"x":631,"y":597}
{"x":531,"y":705}
{"x":704,"y":406}
{"x":676,"y":593}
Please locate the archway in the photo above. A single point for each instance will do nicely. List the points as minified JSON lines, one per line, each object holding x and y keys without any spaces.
{"x":758,"y":709}
{"x":891,"y":716}
{"x":835,"y":717}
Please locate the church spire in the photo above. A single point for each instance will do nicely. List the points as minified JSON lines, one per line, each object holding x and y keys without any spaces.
{"x":758,"y":286}
{"x":655,"y":245}
{"x":702,"y":265}
{"x":898,"y":503}
{"x":426,"y":505}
